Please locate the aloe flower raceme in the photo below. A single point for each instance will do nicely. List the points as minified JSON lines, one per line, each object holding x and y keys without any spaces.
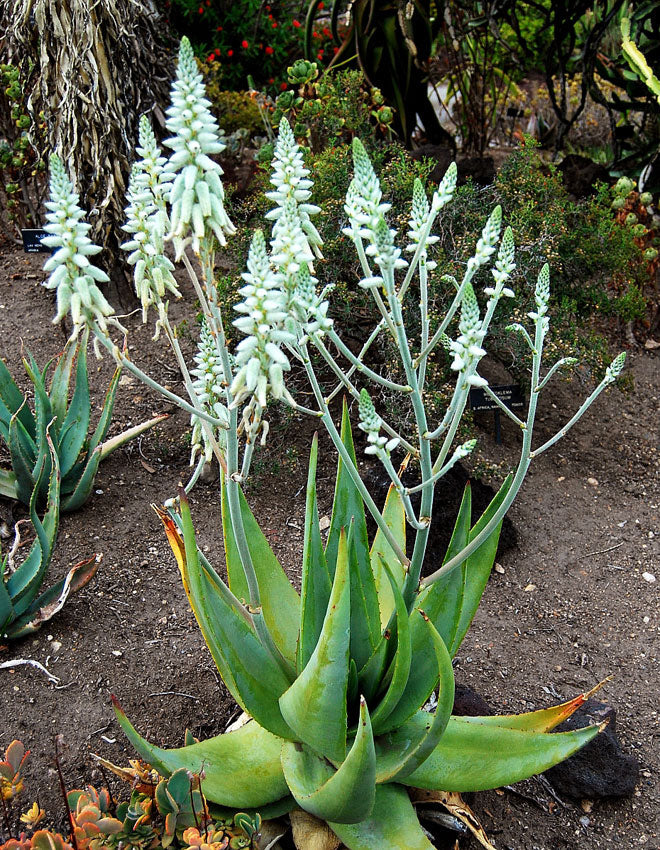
{"x":334,"y":680}
{"x":343,"y":734}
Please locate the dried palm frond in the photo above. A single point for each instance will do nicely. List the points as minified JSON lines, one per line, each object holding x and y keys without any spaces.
{"x":92,"y":68}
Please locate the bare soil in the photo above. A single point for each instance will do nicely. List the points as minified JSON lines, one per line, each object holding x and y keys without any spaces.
{"x":570,"y":607}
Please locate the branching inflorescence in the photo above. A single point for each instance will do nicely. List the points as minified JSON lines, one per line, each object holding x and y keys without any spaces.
{"x":282,"y":316}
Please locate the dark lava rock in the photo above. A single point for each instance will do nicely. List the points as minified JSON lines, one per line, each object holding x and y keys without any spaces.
{"x":468,"y":703}
{"x":480,"y":168}
{"x":601,"y":769}
{"x":446,"y":502}
{"x":580,"y":174}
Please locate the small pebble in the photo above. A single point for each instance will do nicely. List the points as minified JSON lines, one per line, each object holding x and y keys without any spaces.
{"x":593,"y":482}
{"x":56,"y":646}
{"x":530,"y":588}
{"x":117,"y":653}
{"x":648,"y":577}
{"x":646,"y":620}
{"x":499,"y":569}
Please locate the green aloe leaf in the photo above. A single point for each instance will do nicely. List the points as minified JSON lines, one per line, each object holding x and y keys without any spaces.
{"x":106,"y":415}
{"x":83,"y":484}
{"x":474,"y":756}
{"x":61,"y":380}
{"x":345,"y":795}
{"x":452,"y":601}
{"x":316,"y":584}
{"x":436,"y":723}
{"x":315,"y":704}
{"x":23,"y":456}
{"x":365,"y":617}
{"x":75,"y":425}
{"x":280,"y":602}
{"x":542,"y":720}
{"x":347,"y":506}
{"x":395,"y":518}
{"x":401,"y":661}
{"x":23,"y":585}
{"x":6,"y":608}
{"x":370,"y":677}
{"x":242,"y":769}
{"x":43,"y":413}
{"x":393,"y":824}
{"x":8,"y":484}
{"x":13,"y":401}
{"x":250,"y":673}
{"x":47,"y":604}
{"x":448,"y":600}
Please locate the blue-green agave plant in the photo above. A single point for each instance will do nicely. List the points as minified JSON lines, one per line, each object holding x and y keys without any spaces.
{"x":338,"y":728}
{"x":65,"y":422}
{"x":22,"y":608}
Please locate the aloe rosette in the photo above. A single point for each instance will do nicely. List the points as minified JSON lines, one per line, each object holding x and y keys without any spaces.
{"x":338,"y":729}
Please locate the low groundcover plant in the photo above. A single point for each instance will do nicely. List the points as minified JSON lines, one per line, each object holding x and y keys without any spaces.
{"x":334,"y":680}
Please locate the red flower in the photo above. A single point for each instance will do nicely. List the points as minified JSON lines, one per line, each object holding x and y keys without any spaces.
{"x":297,"y":24}
{"x":201,"y":10}
{"x":335,"y":50}
{"x":319,"y":55}
{"x":269,"y":51}
{"x":271,"y":81}
{"x":244,"y":44}
{"x":217,"y":52}
{"x":321,"y":6}
{"x":230,"y":53}
{"x":218,"y":29}
{"x":283,"y":86}
{"x":326,"y":32}
{"x":274,"y":25}
{"x":268,"y":8}
{"x":210,"y":57}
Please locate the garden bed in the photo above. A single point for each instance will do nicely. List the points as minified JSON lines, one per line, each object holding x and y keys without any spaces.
{"x":570,"y":607}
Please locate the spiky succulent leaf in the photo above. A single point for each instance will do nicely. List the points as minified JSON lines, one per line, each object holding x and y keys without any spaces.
{"x":393,"y":824}
{"x":452,"y":601}
{"x":316,"y":584}
{"x":347,"y":506}
{"x":365,"y":614}
{"x":472,"y":756}
{"x":345,"y":795}
{"x":242,"y":769}
{"x":315,"y":704}
{"x":382,"y":553}
{"x":281,"y":603}
{"x":250,"y":672}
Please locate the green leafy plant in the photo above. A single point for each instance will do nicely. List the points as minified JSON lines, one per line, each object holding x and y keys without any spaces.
{"x":334,"y":680}
{"x":65,"y":422}
{"x":162,"y":813}
{"x":22,"y":608}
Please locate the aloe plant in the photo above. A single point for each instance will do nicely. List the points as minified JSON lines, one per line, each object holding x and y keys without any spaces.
{"x":335,"y":680}
{"x":65,"y":422}
{"x":22,"y":608}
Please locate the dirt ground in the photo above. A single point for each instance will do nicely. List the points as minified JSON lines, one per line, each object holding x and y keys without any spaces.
{"x":570,"y":606}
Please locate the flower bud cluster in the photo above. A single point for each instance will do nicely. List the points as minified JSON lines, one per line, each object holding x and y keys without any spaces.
{"x":208,"y":388}
{"x":71,"y":273}
{"x":503,"y":269}
{"x":542,"y":298}
{"x":466,"y":349}
{"x":487,"y":241}
{"x":196,"y":195}
{"x":152,"y":173}
{"x":295,"y":239}
{"x":364,"y":199}
{"x":419,"y":215}
{"x":615,"y":368}
{"x":152,"y":273}
{"x":370,"y":422}
{"x":310,"y":307}
{"x":445,"y":191}
{"x":259,"y":357}
{"x":383,"y":250}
